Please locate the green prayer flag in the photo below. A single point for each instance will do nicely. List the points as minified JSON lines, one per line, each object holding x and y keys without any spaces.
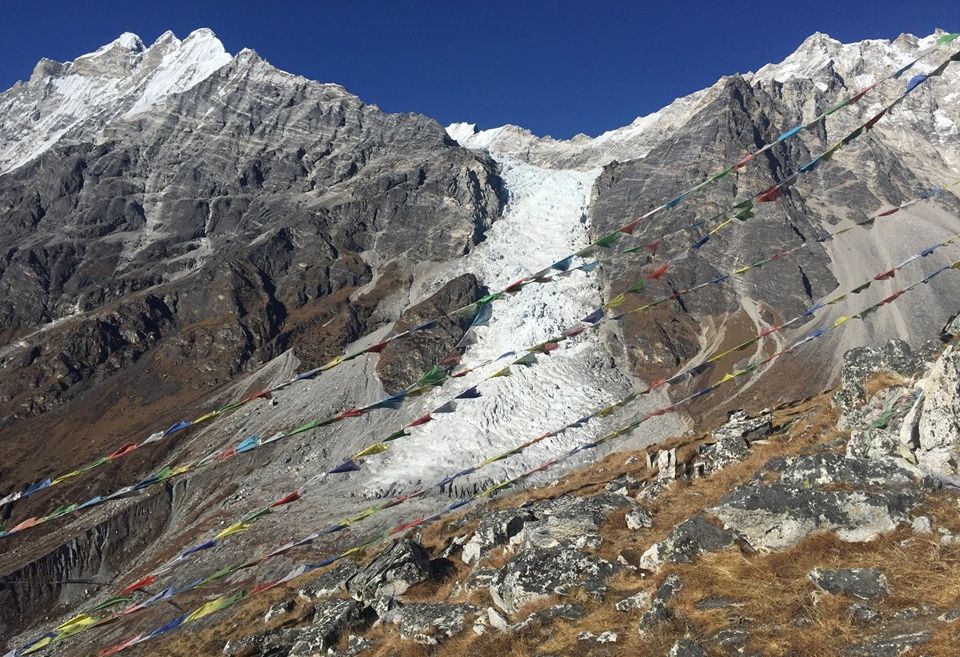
{"x":395,"y":435}
{"x":528,"y":359}
{"x":947,"y":38}
{"x":608,"y":240}
{"x":637,"y":288}
{"x":853,"y":135}
{"x":434,"y":376}
{"x":490,"y":298}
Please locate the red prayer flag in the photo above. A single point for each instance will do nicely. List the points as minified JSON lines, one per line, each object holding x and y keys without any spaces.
{"x":862,"y":93}
{"x":450,"y":360}
{"x":629,"y":228}
{"x":292,"y":497}
{"x":263,"y":394}
{"x":872,"y":122}
{"x":226,"y":454}
{"x":123,"y":451}
{"x":377,"y":348}
{"x":888,"y":212}
{"x":516,"y":285}
{"x":744,"y":161}
{"x":885,"y":275}
{"x":350,"y":412}
{"x":771,"y":194}
{"x":659,"y":271}
{"x":892,"y":297}
{"x":140,"y":584}
{"x":653,"y":246}
{"x":422,"y":420}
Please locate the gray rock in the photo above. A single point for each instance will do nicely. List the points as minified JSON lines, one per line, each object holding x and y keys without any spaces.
{"x":688,"y":540}
{"x":862,"y":614}
{"x":730,"y":642}
{"x":639,"y":518}
{"x":330,"y":583}
{"x":659,"y":613}
{"x":495,"y":528}
{"x":430,"y":623}
{"x":640,"y":600}
{"x":892,"y":645}
{"x":272,"y":643}
{"x":863,"y":583}
{"x":740,"y":425}
{"x":570,"y":520}
{"x":355,"y":646}
{"x":861,"y":363}
{"x":546,"y":616}
{"x":279,"y":609}
{"x":939,"y":422}
{"x":865,"y":498}
{"x":391,"y":573}
{"x":330,"y":620}
{"x":686,"y":648}
{"x":539,"y":572}
{"x":603,"y":637}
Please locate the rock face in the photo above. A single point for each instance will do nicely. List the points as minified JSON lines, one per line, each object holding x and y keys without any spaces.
{"x":689,"y":540}
{"x":224,"y":221}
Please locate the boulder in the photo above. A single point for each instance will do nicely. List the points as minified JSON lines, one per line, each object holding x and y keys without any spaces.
{"x":742,"y":426}
{"x":546,"y":616}
{"x":863,"y":583}
{"x":430,"y":623}
{"x":495,"y":528}
{"x":939,"y":421}
{"x":688,"y":540}
{"x":330,"y":583}
{"x":687,"y":648}
{"x":639,"y":518}
{"x":391,"y":573}
{"x":330,"y":620}
{"x":776,"y":516}
{"x":640,"y":600}
{"x":272,"y":643}
{"x":279,"y":609}
{"x":540,"y":572}
{"x":659,"y":612}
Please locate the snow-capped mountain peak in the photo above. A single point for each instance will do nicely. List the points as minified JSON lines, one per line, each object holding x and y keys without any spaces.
{"x":118,"y":80}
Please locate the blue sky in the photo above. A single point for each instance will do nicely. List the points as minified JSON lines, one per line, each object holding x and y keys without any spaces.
{"x":557,"y":67}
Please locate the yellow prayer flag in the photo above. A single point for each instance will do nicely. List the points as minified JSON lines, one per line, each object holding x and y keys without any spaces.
{"x":235,"y":528}
{"x":376,"y":448}
{"x":841,"y":320}
{"x":616,"y":301}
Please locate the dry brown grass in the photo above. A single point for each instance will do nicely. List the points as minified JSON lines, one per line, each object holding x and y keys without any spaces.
{"x":882,"y":380}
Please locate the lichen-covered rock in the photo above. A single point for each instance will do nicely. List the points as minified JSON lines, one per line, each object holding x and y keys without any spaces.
{"x":939,"y":421}
{"x":863,"y":583}
{"x":891,"y":645}
{"x":640,"y":600}
{"x":392,"y":572}
{"x":687,"y":648}
{"x":495,"y":528}
{"x":279,"y":609}
{"x":569,"y":520}
{"x":430,"y":624}
{"x":776,"y":516}
{"x":638,"y":518}
{"x":861,"y":363}
{"x":546,"y":616}
{"x":688,"y":540}
{"x":540,"y":572}
{"x":329,"y":583}
{"x":330,"y":620}
{"x":272,"y":643}
{"x":659,"y":612}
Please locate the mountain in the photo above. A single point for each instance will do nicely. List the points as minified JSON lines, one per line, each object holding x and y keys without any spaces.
{"x":185,"y":227}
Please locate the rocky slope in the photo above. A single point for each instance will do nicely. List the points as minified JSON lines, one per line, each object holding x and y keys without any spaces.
{"x":185,"y":226}
{"x":825,"y":527}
